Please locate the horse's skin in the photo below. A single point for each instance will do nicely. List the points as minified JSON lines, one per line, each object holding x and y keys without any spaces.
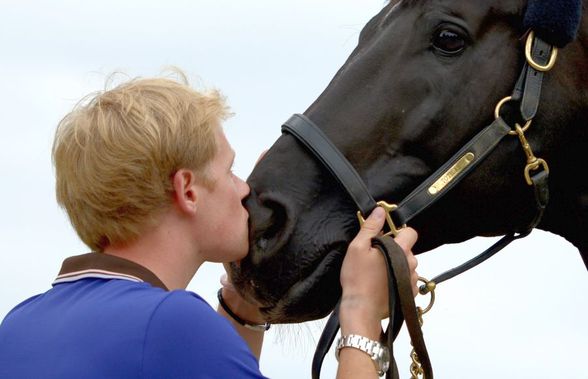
{"x":398,"y":109}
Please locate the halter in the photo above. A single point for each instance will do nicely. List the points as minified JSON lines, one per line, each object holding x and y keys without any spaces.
{"x":540,"y":58}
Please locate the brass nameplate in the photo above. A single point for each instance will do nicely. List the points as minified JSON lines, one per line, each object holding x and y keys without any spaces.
{"x":454,"y":171}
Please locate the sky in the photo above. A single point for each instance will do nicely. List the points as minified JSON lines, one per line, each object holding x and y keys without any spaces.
{"x":519,"y":315}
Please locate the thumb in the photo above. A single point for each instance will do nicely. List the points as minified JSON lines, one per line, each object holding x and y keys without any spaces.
{"x":373,"y":224}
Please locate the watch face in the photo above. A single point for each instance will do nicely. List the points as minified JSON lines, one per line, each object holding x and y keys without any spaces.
{"x":385,"y":359}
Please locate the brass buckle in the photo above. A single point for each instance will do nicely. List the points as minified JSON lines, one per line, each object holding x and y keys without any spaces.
{"x":529,"y":56}
{"x":388,"y":208}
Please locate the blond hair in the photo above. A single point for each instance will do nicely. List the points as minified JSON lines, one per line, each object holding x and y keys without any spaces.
{"x":115,"y":155}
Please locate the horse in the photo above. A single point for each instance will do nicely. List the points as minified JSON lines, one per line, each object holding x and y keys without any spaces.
{"x":425,"y":78}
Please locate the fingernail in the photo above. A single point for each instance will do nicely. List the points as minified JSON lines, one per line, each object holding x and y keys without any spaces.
{"x":378,"y":213}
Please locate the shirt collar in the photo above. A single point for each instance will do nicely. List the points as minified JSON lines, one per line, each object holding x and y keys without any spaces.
{"x":105,"y":266}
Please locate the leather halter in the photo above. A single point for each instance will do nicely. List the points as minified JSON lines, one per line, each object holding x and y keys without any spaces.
{"x":527,"y":93}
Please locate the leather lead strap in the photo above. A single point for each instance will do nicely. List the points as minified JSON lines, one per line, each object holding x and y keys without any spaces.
{"x":541,"y":188}
{"x":326,"y":340}
{"x":501,"y":244}
{"x":399,"y":283}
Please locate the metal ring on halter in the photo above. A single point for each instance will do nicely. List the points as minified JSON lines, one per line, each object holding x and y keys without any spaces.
{"x":427,"y":287}
{"x":497,"y":115}
{"x":529,"y":55}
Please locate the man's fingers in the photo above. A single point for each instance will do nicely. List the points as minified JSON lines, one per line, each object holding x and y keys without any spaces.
{"x":415,"y":285}
{"x":406,"y":238}
{"x":413,"y":263}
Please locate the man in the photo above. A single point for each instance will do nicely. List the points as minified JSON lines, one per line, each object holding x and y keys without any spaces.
{"x":144,"y":173}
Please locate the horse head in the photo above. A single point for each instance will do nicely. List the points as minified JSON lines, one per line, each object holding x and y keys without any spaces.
{"x":425,"y":77}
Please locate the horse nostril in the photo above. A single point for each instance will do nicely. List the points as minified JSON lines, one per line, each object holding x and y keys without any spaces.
{"x":267,"y":218}
{"x":262,"y":243}
{"x":275,"y":224}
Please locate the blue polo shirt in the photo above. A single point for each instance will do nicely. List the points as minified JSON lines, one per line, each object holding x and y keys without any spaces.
{"x":107,"y":317}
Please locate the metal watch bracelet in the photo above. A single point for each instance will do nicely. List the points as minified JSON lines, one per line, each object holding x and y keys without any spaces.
{"x":379,"y":353}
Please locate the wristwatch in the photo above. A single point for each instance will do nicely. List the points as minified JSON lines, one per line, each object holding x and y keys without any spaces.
{"x":377,"y":351}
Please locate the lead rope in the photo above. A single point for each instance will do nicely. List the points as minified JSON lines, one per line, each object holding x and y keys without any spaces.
{"x":416,"y":370}
{"x":399,"y":287}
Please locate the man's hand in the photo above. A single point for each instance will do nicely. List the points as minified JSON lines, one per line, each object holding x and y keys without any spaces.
{"x":364,"y":280}
{"x":365,"y":292}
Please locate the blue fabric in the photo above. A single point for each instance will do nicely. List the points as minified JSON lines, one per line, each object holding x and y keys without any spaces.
{"x":554,"y":21}
{"x":95,"y":328}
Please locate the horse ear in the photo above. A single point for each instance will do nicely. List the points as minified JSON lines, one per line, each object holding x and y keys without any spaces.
{"x":554,"y":21}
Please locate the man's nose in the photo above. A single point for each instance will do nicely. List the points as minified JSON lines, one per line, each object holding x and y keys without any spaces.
{"x":245,"y":189}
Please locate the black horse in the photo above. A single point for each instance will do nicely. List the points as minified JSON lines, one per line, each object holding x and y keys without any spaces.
{"x":425,"y":77}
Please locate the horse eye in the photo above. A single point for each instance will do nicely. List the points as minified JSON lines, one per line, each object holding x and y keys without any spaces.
{"x":448,"y":42}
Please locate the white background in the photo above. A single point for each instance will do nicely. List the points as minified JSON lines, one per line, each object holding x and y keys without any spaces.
{"x":520,"y":315}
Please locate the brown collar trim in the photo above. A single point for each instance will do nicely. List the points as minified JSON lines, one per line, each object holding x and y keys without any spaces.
{"x":105,"y":266}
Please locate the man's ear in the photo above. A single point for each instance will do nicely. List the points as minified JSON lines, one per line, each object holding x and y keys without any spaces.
{"x":185,"y":189}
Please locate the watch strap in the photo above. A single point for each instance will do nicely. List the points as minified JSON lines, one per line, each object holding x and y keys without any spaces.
{"x":251,"y":326}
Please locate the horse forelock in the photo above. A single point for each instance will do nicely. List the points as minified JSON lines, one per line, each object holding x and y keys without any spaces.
{"x":556,"y":21}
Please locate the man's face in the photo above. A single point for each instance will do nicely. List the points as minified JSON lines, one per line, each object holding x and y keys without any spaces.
{"x":224,"y":232}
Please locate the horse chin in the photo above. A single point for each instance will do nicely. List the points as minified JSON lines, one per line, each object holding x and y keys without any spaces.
{"x":312,"y":297}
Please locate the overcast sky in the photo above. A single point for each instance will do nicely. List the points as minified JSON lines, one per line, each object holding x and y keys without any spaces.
{"x":520,"y":315}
